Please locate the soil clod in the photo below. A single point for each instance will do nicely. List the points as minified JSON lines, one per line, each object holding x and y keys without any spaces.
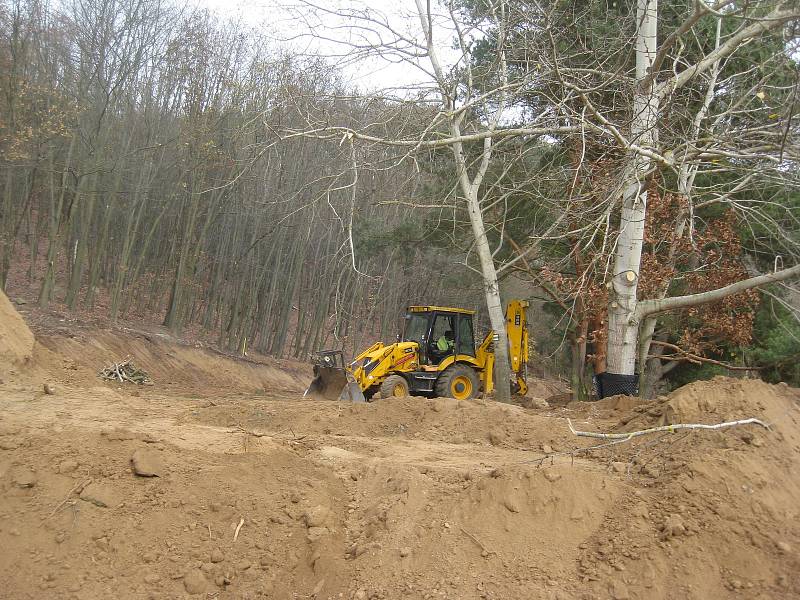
{"x":146,"y":463}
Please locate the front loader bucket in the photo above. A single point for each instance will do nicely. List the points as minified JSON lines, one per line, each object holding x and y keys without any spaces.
{"x":331,"y":383}
{"x":352,"y":393}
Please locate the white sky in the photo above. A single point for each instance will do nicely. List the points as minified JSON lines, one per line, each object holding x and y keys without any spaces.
{"x":276,"y":19}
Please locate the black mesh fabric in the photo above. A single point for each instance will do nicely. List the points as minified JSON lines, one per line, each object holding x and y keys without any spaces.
{"x":611,"y":384}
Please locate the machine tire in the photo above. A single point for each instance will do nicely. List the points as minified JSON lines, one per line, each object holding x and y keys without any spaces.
{"x":394,"y":386}
{"x":458,"y":381}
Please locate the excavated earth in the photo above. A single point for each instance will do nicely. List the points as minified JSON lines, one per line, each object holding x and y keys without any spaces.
{"x":221,"y":481}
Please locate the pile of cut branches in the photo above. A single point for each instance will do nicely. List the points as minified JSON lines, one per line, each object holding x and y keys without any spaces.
{"x":125,"y":371}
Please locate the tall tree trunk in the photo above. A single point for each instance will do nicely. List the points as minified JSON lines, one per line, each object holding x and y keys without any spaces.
{"x":686,"y":176}
{"x":54,"y":225}
{"x":579,"y":387}
{"x":7,"y":233}
{"x":33,"y":227}
{"x":491,"y":285}
{"x":83,"y":231}
{"x":622,"y":327}
{"x":174,"y":317}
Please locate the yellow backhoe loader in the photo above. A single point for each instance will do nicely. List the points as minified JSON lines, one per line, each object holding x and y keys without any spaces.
{"x":434,"y":356}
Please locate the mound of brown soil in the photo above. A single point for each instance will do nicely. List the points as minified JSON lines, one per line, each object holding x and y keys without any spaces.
{"x":478,"y":422}
{"x":719,"y":400}
{"x":723,"y":517}
{"x":173,"y":366}
{"x":16,"y":340}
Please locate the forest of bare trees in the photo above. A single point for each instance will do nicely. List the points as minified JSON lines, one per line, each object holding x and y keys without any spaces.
{"x":633,"y":166}
{"x":142,"y":175}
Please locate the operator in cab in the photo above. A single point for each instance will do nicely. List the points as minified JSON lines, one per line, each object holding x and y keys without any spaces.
{"x":446,"y":342}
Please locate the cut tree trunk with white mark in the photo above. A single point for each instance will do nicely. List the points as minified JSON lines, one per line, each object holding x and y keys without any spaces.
{"x":622,"y":328}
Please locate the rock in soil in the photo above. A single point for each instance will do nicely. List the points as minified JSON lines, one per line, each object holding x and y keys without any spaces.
{"x":534,"y":402}
{"x":100,"y":494}
{"x":316,"y":516}
{"x":619,"y":591}
{"x":195,"y":582}
{"x":243,"y":565}
{"x":673,"y":526}
{"x":217,"y":556}
{"x":67,"y":466}
{"x":146,"y":463}
{"x":23,"y":478}
{"x":152,"y":578}
{"x":496,"y":437}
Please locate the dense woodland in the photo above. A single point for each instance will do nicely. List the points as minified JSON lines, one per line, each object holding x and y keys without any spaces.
{"x":160,"y":163}
{"x":141,"y":169}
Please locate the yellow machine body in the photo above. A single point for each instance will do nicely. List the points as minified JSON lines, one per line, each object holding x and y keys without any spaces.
{"x":417,"y":365}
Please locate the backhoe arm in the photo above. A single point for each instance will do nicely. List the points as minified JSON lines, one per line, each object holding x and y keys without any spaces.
{"x":517,"y":329}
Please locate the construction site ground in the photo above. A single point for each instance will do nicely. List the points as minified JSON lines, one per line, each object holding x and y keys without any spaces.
{"x":247,"y":490}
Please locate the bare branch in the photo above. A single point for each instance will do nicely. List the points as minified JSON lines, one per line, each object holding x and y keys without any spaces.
{"x":651,"y":307}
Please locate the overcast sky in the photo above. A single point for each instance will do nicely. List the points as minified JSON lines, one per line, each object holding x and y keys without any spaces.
{"x":272,"y":17}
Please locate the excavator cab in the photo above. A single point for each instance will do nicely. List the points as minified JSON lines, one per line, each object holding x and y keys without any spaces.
{"x":440,"y":332}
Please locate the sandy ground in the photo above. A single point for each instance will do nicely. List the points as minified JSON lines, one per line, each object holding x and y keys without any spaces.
{"x":258,"y":493}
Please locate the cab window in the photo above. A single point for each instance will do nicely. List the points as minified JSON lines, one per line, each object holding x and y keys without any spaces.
{"x":416,"y":327}
{"x":465,"y":339}
{"x":443,"y":336}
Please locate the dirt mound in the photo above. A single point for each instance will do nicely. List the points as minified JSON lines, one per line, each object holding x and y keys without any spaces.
{"x":477,"y":422}
{"x":719,"y":400}
{"x":726,"y":399}
{"x":726,"y":500}
{"x":546,"y":388}
{"x":77,"y":357}
{"x":74,"y":356}
{"x":16,"y":340}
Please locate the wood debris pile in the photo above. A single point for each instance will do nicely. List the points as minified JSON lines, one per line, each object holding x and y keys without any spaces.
{"x":125,"y":371}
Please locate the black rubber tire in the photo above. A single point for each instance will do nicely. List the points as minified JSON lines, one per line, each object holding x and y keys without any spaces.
{"x":456,"y":371}
{"x":391,"y":384}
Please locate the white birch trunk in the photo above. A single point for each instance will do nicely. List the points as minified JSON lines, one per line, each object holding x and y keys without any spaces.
{"x":622,"y":327}
{"x":686,"y":175}
{"x":494,"y":305}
